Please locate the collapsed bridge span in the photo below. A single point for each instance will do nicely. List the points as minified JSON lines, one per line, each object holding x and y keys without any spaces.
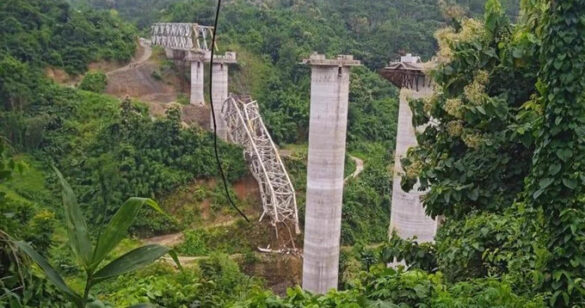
{"x":238,"y":119}
{"x":246,"y":128}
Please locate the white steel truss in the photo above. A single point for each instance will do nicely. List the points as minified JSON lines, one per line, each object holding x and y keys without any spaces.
{"x":246,"y":128}
{"x":182,"y":36}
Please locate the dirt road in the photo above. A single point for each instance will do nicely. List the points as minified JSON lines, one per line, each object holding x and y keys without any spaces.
{"x":146,"y":54}
{"x":359,"y":167}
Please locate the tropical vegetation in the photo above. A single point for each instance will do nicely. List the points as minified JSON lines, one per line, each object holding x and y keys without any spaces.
{"x":91,"y":257}
{"x":501,"y":155}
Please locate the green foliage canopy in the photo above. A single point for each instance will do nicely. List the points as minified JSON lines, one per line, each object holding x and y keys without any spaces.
{"x":557,"y":179}
{"x":496,"y":141}
{"x":51,"y":33}
{"x":476,"y":153}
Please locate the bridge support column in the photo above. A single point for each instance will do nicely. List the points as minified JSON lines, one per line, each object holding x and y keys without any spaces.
{"x":408,"y":217}
{"x":219,"y":95}
{"x":327,"y":135}
{"x":197,"y":81}
{"x":220,"y":91}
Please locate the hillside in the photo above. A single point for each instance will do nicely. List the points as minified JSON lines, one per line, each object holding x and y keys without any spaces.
{"x":500,"y":161}
{"x":110,"y":150}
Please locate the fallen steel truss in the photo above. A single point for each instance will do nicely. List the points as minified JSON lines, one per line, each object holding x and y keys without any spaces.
{"x":246,"y":128}
{"x":182,"y":36}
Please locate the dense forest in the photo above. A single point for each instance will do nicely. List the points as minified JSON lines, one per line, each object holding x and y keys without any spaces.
{"x":502,"y":161}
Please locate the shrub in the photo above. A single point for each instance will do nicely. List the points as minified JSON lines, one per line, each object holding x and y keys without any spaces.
{"x":156,"y":75}
{"x":216,"y":282}
{"x":94,"y":82}
{"x":183,"y":99}
{"x":386,"y":287}
{"x":153,"y":224}
{"x":158,"y":284}
{"x":194,"y":243}
{"x":415,"y":255}
{"x":487,"y":245}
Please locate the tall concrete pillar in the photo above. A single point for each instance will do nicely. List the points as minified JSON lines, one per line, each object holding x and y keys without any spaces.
{"x":219,"y":94}
{"x":220,"y":91}
{"x":327,"y":134}
{"x":197,"y":81}
{"x":408,"y":216}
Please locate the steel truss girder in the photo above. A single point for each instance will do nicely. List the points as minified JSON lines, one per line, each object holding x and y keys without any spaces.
{"x":246,"y":128}
{"x":181,"y":36}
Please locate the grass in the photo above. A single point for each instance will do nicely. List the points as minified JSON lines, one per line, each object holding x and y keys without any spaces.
{"x":29,"y":186}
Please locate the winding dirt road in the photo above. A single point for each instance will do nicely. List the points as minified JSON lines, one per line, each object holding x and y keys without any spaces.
{"x":146,"y":54}
{"x":359,"y":167}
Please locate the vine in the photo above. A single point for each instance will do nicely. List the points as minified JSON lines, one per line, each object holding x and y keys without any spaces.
{"x":557,"y":180}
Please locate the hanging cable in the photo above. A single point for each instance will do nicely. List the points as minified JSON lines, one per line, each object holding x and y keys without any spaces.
{"x":219,"y":167}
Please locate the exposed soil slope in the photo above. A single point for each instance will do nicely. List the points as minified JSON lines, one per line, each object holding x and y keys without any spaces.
{"x":136,"y":79}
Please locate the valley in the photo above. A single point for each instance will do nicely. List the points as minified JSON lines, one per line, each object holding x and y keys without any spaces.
{"x":111,"y":195}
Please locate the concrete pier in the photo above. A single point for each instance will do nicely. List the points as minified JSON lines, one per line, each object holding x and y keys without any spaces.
{"x":327,"y":135}
{"x":408,"y":216}
{"x":197,"y":82}
{"x":220,"y":91}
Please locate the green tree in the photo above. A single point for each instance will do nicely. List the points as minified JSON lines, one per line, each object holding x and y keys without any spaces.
{"x":476,"y":153}
{"x":52,"y":33}
{"x":15,"y":83}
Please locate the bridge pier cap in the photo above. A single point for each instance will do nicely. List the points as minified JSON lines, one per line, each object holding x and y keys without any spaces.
{"x":327,"y":136}
{"x":197,"y":60}
{"x":341,"y":61}
{"x":229,"y":57}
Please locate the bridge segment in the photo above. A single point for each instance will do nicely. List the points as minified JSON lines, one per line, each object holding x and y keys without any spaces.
{"x":182,"y":36}
{"x":246,"y":128}
{"x":190,"y":42}
{"x":238,"y":119}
